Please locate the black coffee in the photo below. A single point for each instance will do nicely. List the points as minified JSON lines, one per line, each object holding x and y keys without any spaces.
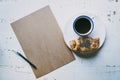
{"x":82,"y":25}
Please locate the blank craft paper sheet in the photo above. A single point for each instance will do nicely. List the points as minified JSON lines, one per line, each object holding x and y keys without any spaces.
{"x":42,"y":41}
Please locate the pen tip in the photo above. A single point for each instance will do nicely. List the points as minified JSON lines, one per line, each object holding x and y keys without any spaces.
{"x":35,"y":67}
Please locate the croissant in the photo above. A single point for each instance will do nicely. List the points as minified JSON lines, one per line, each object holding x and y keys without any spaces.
{"x":84,"y":44}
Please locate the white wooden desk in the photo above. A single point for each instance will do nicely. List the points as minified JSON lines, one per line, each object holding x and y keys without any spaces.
{"x":104,"y":66}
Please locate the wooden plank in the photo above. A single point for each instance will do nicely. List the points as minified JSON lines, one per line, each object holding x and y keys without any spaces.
{"x":42,"y":41}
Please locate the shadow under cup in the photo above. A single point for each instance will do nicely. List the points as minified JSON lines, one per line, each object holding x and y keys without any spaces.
{"x":83,"y":25}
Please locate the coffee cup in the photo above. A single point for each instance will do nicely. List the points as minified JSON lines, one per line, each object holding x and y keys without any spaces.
{"x":83,"y":25}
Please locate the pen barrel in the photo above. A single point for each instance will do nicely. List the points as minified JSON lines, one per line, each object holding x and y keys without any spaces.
{"x":27,"y":60}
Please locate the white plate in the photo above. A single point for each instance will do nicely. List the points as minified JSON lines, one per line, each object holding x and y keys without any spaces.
{"x":98,"y":31}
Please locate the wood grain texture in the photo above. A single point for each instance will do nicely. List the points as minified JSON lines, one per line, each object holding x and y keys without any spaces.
{"x":42,"y":41}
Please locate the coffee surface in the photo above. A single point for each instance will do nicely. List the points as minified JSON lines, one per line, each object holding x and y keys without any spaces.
{"x":82,"y":25}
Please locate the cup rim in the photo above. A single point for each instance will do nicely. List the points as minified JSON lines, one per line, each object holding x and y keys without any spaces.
{"x":91,"y":22}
